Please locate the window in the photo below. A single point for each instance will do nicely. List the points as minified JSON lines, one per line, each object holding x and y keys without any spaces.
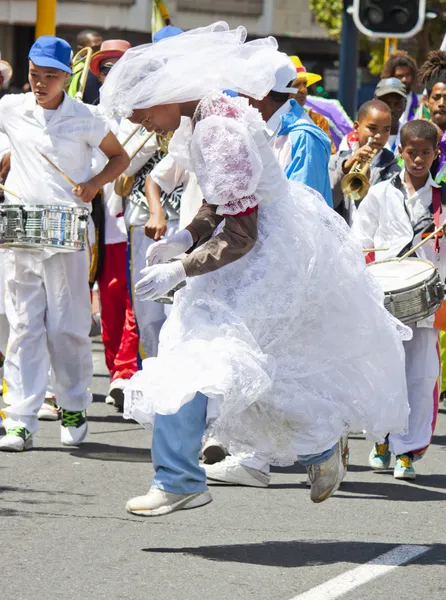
{"x":235,"y":7}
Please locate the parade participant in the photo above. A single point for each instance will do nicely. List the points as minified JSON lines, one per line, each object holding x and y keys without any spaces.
{"x":393,"y":93}
{"x":373,"y":121}
{"x":87,"y":38}
{"x":150,"y":316}
{"x":267,"y":325}
{"x":433,"y":76}
{"x":395,"y":215}
{"x":301,"y":147}
{"x":118,"y":326}
{"x":401,"y":66}
{"x":301,"y":84}
{"x":47,"y":295}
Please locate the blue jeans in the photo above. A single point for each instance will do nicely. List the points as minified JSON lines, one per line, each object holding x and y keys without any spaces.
{"x":176,"y":447}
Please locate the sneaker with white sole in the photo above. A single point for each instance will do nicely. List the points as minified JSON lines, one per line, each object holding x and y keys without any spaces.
{"x":74,"y":427}
{"x":159,"y":502}
{"x":49,"y":410}
{"x":326,"y":477}
{"x":213,"y":452}
{"x":232,"y":472}
{"x":404,"y":467}
{"x":17,"y":439}
{"x":116,"y":392}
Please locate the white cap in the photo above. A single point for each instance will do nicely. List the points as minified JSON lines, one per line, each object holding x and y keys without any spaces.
{"x":285,"y":75}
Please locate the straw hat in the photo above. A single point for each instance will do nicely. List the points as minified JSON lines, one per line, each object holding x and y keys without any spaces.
{"x":109,"y":49}
{"x":6,"y":71}
{"x":302,"y":74}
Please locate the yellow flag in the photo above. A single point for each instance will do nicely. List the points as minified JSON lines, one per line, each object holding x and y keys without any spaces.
{"x":160,"y":16}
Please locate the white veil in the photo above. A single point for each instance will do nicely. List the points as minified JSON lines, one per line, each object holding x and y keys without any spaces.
{"x":189,"y":66}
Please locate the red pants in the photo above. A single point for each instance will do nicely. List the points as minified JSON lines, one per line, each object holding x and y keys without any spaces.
{"x":119,"y":332}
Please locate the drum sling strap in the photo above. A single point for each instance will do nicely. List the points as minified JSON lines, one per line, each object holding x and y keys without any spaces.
{"x":439,"y":198}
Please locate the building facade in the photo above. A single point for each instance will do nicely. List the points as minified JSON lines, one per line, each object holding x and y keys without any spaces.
{"x":291,"y":21}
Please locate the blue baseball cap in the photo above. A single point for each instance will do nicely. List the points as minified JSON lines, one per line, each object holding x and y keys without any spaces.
{"x":166,"y":32}
{"x":51,"y":51}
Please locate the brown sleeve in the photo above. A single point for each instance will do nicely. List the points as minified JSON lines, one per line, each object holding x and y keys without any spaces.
{"x":237,"y":238}
{"x":204,"y":223}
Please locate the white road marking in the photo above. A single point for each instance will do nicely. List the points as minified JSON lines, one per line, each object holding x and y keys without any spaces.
{"x":338,"y":586}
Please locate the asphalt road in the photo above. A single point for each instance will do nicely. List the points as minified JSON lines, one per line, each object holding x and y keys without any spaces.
{"x":65,"y":533}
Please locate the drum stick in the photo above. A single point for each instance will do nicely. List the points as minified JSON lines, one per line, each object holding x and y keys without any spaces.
{"x":415,"y":248}
{"x":5,"y":189}
{"x":130,"y":135}
{"x":367,"y":250}
{"x":64,"y":175}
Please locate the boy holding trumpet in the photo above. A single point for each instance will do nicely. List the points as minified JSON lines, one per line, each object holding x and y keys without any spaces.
{"x":47,"y":294}
{"x":398,"y":214}
{"x":366,"y":143}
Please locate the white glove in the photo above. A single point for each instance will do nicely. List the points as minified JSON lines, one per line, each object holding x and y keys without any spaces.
{"x":162,"y":251}
{"x":160,"y":279}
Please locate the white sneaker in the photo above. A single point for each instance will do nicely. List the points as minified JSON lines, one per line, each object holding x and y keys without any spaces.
{"x":74,"y":427}
{"x":158,"y":502}
{"x":231,"y":471}
{"x":17,"y":439}
{"x":48,"y":411}
{"x":116,"y":392}
{"x":326,"y":477}
{"x":213,"y":452}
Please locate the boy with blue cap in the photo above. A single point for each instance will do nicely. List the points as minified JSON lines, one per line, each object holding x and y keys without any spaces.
{"x":47,"y":294}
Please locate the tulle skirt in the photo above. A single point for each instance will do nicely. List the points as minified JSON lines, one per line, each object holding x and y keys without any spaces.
{"x":292,"y":341}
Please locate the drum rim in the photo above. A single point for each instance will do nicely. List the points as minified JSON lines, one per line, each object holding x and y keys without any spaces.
{"x":434,"y":275}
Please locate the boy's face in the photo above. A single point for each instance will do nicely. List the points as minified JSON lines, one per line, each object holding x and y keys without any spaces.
{"x":105,"y":68}
{"x":418,"y":155}
{"x":376,"y":124}
{"x":404,"y":74}
{"x":301,"y":92}
{"x":397,"y":105}
{"x":160,"y":119}
{"x":47,"y":85}
{"x":437,"y":105}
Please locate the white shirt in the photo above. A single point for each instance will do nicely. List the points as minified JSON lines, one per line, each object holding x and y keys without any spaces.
{"x":273,"y":123}
{"x":67,"y":139}
{"x":168,"y":174}
{"x":418,"y":204}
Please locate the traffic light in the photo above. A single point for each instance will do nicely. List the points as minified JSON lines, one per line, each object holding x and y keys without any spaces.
{"x":389,"y":18}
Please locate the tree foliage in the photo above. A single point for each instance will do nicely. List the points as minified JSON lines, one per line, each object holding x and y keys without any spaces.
{"x":329,"y":15}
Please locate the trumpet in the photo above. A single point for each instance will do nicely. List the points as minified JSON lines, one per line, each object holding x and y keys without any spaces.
{"x":85,"y":54}
{"x":356,"y":183}
{"x":124,"y":183}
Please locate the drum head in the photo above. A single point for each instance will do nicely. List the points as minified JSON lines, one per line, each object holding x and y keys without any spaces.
{"x":394,"y":276}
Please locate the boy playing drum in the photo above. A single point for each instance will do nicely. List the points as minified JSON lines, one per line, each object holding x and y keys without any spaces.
{"x":397,"y":214}
{"x":47,"y":294}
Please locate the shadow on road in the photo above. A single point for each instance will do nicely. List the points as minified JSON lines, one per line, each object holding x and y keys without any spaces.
{"x":108,"y":452}
{"x":401,"y":492}
{"x":292,"y":554}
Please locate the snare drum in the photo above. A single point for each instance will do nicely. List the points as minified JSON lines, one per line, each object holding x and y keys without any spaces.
{"x":412,"y":288}
{"x":43,"y":226}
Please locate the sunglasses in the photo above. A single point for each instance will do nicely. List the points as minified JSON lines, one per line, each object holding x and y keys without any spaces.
{"x":105,"y":70}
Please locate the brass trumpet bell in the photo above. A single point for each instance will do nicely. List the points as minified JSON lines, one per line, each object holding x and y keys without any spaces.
{"x":124,"y":185}
{"x":355,"y":185}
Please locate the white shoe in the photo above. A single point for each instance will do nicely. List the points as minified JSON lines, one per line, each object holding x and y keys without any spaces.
{"x":231,"y":471}
{"x":116,"y":392}
{"x":17,"y":439}
{"x":48,"y":411}
{"x":213,"y":452}
{"x":327,"y":476}
{"x":74,"y":427}
{"x":158,"y":502}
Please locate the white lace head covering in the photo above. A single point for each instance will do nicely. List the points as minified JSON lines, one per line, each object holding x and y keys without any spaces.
{"x":191,"y":65}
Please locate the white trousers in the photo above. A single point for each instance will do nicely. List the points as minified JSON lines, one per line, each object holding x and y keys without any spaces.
{"x":422,"y":373}
{"x":49,"y":313}
{"x":149,"y":315}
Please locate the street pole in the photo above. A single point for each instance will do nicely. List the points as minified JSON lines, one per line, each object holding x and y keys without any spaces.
{"x":347,"y":92}
{"x":46,"y":17}
{"x":390,"y":46}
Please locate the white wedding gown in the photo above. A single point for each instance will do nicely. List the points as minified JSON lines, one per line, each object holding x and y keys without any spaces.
{"x":292,"y":340}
